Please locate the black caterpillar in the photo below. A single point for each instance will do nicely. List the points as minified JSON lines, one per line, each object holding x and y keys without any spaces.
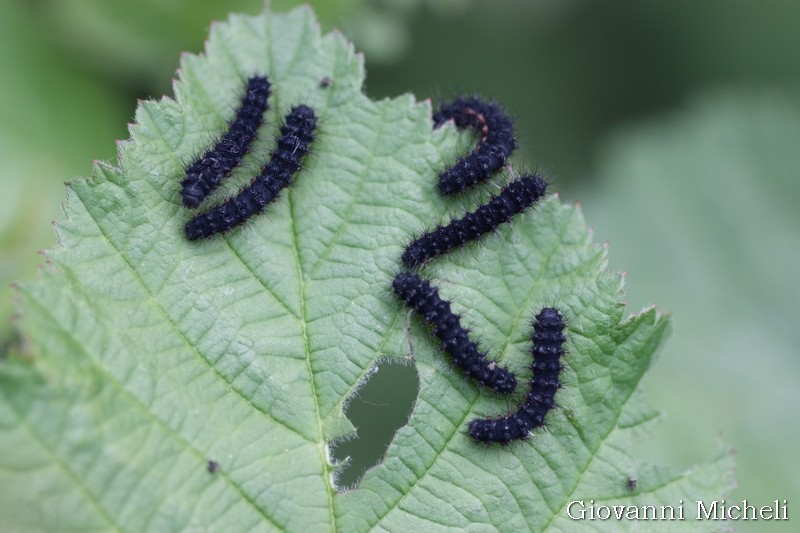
{"x":518,"y":195}
{"x":514,"y":198}
{"x":422,"y":297}
{"x":495,"y":146}
{"x":205,"y":174}
{"x":297,"y":132}
{"x":548,"y":340}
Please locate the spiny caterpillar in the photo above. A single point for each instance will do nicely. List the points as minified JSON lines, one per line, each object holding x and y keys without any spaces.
{"x":548,"y":340}
{"x":205,"y":174}
{"x":495,"y":146}
{"x":297,"y":132}
{"x":423,"y":298}
{"x":514,"y":198}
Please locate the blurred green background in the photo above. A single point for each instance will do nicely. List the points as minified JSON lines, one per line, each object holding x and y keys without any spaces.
{"x":676,"y":124}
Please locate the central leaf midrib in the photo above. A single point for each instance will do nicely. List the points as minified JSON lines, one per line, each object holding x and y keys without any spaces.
{"x":302,"y":287}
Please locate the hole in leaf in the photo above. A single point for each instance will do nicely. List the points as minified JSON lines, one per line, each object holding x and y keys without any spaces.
{"x":378,"y":410}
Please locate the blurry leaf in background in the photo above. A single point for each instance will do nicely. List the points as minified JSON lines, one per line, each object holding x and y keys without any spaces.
{"x":53,"y":120}
{"x":573,"y":71}
{"x":703,"y":210}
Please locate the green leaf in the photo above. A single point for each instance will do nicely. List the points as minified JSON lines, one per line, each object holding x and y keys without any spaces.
{"x":150,"y":355}
{"x":719,"y":247}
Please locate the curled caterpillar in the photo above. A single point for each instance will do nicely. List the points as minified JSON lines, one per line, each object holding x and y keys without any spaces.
{"x":495,"y":146}
{"x":548,"y":340}
{"x":423,"y":298}
{"x":205,"y":174}
{"x":514,"y":198}
{"x":297,"y":132}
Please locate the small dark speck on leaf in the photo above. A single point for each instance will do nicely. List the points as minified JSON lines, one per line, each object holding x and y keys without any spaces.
{"x":213,"y":466}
